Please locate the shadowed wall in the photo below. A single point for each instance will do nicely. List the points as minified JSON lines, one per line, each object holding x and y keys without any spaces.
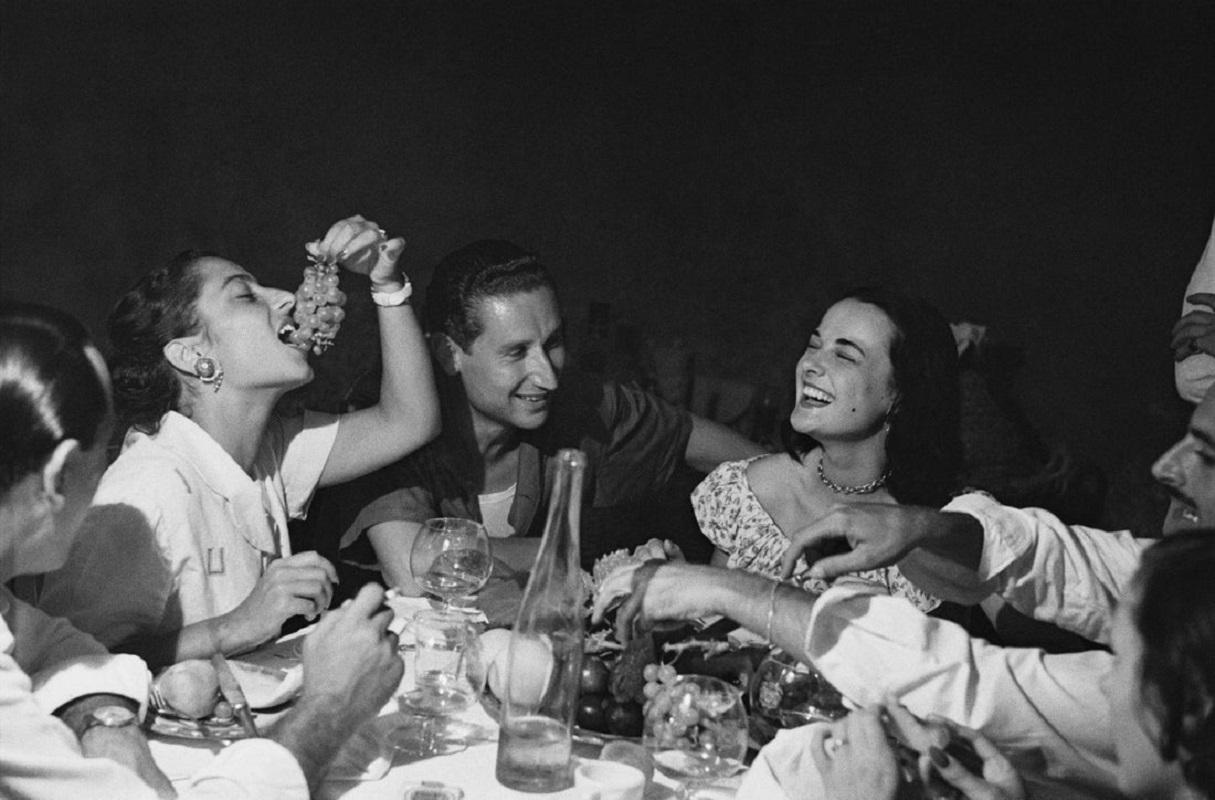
{"x":712,"y":170}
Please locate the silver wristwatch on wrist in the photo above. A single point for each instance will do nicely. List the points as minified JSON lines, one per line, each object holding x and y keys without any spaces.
{"x":108,"y":717}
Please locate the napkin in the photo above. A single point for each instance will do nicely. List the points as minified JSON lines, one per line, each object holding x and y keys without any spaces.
{"x":784,"y":762}
{"x":266,"y":687}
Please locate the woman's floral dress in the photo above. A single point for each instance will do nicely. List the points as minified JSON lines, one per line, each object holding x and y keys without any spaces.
{"x":731,"y":516}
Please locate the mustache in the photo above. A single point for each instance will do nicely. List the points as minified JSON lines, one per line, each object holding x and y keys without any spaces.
{"x":1177,"y":495}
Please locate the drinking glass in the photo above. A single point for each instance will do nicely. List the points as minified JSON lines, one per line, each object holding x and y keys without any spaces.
{"x":786,"y":693}
{"x":697,"y":730}
{"x":451,"y":559}
{"x":448,"y":677}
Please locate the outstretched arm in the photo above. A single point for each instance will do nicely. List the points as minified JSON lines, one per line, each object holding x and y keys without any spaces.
{"x":407,"y":414}
{"x":712,"y":443}
{"x":879,"y":535}
{"x":677,"y":590}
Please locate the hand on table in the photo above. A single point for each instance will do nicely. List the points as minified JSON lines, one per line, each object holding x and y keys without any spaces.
{"x":298,"y":584}
{"x":351,"y":668}
{"x":351,"y":656}
{"x":1195,"y":331}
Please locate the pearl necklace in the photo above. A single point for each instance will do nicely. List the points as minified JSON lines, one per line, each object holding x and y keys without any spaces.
{"x":840,"y":488}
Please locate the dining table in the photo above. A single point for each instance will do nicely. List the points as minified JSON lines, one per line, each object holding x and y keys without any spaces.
{"x":370,"y":767}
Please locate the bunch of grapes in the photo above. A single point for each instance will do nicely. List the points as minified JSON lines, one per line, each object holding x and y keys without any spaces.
{"x":680,"y":715}
{"x":318,"y":307}
{"x":658,"y":690}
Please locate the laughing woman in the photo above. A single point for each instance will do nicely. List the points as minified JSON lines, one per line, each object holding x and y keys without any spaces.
{"x":185,"y":551}
{"x":875,"y":420}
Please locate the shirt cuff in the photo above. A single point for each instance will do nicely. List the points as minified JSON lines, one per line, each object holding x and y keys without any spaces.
{"x":1005,"y":536}
{"x":122,"y":675}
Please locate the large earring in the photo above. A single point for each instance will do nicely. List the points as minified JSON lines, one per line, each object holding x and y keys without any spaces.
{"x":209,"y":371}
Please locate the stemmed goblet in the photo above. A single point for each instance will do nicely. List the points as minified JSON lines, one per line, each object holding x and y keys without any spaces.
{"x":451,"y":559}
{"x":697,"y":730}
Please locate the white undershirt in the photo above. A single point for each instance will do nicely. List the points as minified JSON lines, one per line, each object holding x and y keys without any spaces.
{"x":495,"y":509}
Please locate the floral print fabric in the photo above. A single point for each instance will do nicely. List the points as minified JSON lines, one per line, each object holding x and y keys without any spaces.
{"x":730,"y":516}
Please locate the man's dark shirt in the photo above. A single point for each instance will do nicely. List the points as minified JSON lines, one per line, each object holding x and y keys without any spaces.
{"x":634,"y":443}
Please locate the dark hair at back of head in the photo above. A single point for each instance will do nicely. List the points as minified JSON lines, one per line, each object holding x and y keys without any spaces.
{"x":49,"y":389}
{"x":1175,"y":618}
{"x":483,"y":269}
{"x":157,"y":309}
{"x":924,"y":445}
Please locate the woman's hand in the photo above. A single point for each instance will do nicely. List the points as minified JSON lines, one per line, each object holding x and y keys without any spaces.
{"x":999,"y":781}
{"x":931,"y":739}
{"x":361,"y":246}
{"x":298,"y":584}
{"x":1195,"y":331}
{"x":855,"y":758}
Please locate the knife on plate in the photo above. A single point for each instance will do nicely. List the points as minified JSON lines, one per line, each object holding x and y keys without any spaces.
{"x":229,"y":687}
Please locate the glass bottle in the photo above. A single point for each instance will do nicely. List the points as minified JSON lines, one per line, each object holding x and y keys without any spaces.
{"x":545,"y":657}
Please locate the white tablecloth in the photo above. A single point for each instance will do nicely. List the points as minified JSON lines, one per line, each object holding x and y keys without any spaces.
{"x":472,"y":769}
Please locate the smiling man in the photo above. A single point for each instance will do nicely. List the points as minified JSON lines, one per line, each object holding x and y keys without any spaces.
{"x":496,"y":333}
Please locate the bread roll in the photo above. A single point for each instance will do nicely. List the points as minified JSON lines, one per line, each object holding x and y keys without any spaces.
{"x":190,"y":688}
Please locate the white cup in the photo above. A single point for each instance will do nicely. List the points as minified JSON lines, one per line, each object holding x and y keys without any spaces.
{"x":611,"y":779}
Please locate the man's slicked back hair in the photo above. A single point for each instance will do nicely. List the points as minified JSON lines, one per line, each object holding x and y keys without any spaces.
{"x":463,"y":279}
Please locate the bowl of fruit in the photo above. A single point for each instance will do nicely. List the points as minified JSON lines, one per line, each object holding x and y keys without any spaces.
{"x":620,"y":681}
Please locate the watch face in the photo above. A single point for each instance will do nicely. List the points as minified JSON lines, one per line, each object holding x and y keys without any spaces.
{"x":114,"y":716}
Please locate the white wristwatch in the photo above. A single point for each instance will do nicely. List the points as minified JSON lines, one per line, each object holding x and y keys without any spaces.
{"x":396,"y":298}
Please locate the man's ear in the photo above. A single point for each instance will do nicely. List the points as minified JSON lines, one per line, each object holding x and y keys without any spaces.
{"x":182,"y":352}
{"x":54,"y":472}
{"x":446,"y":353}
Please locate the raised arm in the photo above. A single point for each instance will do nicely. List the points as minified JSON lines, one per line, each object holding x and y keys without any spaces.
{"x":712,"y":443}
{"x":407,"y":414}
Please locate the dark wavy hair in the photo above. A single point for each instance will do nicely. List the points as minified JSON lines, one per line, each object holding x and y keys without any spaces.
{"x":1175,"y":618}
{"x":160,"y":307}
{"x":924,"y":446}
{"x":49,"y":389}
{"x":483,"y":269}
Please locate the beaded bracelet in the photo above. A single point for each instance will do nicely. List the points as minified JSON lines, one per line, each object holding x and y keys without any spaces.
{"x":771,"y":610}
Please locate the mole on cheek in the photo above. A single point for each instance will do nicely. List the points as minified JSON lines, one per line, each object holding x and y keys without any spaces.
{"x":854,"y":409}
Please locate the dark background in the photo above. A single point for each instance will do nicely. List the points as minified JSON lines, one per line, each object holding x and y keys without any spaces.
{"x":712,"y":170}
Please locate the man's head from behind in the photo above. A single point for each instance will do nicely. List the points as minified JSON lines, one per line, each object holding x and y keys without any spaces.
{"x":493,"y":320}
{"x":1187,"y":470}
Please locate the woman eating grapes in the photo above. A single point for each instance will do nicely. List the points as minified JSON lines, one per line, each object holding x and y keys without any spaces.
{"x":185,"y":551}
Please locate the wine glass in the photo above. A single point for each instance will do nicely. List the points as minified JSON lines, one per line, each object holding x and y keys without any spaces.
{"x":447,"y":678}
{"x":786,"y":693}
{"x":451,"y":559}
{"x":697,"y":730}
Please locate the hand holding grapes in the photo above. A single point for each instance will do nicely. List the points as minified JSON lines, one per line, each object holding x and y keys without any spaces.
{"x":358,"y":245}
